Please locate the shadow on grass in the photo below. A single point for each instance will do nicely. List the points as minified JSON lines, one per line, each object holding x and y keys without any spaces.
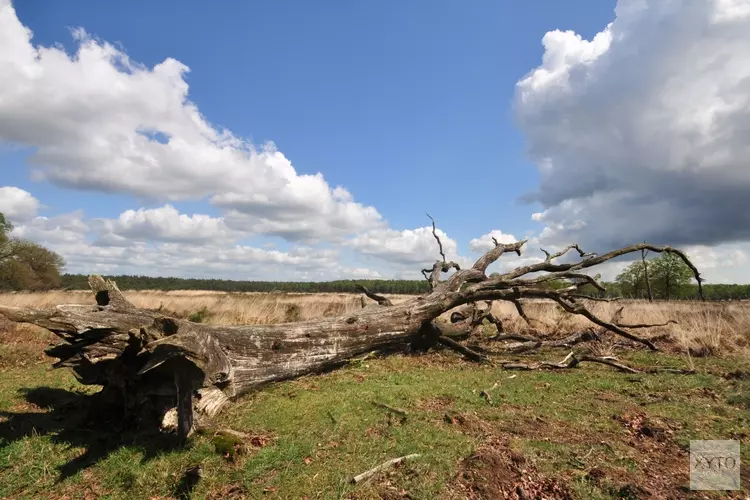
{"x":80,"y":420}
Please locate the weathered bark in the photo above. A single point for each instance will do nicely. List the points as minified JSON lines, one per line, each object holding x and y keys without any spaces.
{"x":149,"y":363}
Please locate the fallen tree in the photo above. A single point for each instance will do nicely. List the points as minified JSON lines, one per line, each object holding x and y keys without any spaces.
{"x":149,"y":363}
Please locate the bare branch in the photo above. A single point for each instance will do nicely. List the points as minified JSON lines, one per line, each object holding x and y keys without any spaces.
{"x":479,"y":292}
{"x":648,"y":325}
{"x":500,"y":248}
{"x":472,"y":355}
{"x":580,"y":309}
{"x":515,"y":336}
{"x":434,"y":233}
{"x":385,"y":465}
{"x":521,"y":312}
{"x":440,"y":266}
{"x":590,"y":297}
{"x":527,"y":343}
{"x":383,"y":301}
{"x":427,"y":276}
{"x":610,"y":362}
{"x":581,"y":253}
{"x":570,"y":361}
{"x":477,"y":316}
{"x":596,"y":260}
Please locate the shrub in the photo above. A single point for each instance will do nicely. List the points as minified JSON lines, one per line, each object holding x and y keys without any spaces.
{"x":200,"y":315}
{"x":292,"y":313}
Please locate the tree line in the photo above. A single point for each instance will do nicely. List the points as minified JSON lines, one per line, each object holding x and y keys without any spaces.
{"x":409,"y":287}
{"x":683,"y":291}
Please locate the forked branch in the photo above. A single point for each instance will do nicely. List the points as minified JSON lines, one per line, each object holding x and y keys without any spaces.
{"x":440,"y":266}
{"x":437,"y":238}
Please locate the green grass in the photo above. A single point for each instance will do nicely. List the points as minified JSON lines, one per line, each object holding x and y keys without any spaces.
{"x":323,"y":430}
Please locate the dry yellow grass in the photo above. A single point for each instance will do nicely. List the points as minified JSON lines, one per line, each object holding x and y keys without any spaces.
{"x":221,"y":308}
{"x":703,"y":327}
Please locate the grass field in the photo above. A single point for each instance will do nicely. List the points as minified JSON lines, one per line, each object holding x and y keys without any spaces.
{"x":590,"y":432}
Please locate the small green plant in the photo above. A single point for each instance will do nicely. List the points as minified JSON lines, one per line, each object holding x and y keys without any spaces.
{"x":200,"y":315}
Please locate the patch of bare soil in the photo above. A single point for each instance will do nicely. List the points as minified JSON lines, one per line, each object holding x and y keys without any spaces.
{"x":229,"y":491}
{"x":23,"y":345}
{"x":660,"y":466}
{"x":495,"y":471}
{"x":663,"y":467}
{"x":437,"y":404}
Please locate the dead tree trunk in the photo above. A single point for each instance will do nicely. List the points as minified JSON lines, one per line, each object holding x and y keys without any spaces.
{"x":149,"y":363}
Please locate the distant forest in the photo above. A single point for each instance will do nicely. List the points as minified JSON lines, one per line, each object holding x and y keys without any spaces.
{"x":412,"y":287}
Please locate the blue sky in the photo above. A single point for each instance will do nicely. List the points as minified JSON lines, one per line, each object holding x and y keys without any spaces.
{"x":407,"y":95}
{"x":411,"y":107}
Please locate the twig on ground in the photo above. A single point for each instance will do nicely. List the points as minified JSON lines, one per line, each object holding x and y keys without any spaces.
{"x":397,"y":411}
{"x":570,"y":361}
{"x":390,"y":463}
{"x":486,"y":393}
{"x":472,"y":355}
{"x":330,"y":415}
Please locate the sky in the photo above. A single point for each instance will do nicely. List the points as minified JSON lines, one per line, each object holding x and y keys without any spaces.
{"x":308,"y":140}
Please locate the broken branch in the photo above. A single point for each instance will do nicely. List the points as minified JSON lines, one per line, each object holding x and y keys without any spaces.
{"x":385,"y":465}
{"x":383,"y":301}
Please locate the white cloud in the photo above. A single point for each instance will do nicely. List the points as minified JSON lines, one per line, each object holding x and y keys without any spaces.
{"x":161,"y":224}
{"x":641,"y":133}
{"x":722,"y":263}
{"x":164,"y":242}
{"x":411,"y":246}
{"x":214,"y":261}
{"x":219,"y":261}
{"x":60,"y":229}
{"x":16,"y":204}
{"x":99,"y":121}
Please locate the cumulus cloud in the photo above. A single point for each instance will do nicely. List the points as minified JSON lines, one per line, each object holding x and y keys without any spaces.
{"x":64,"y":228}
{"x":410,"y":247}
{"x":68,"y":235}
{"x":17,"y":205}
{"x":164,"y":242}
{"x":204,"y":261}
{"x":161,"y":224}
{"x":99,"y":121}
{"x":725,"y":263}
{"x":641,"y":132}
